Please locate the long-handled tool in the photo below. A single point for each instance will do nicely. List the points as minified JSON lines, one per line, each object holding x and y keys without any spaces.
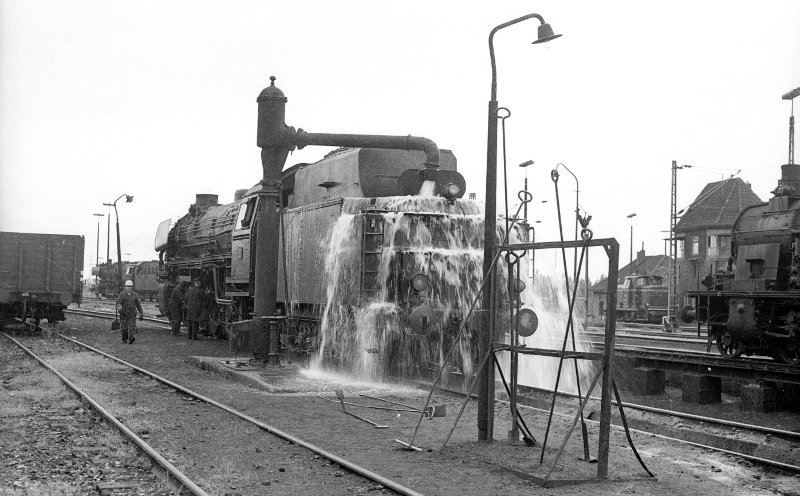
{"x":429,"y":412}
{"x":340,"y":396}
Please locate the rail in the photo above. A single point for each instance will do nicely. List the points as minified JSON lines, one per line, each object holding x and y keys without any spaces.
{"x":173,"y":471}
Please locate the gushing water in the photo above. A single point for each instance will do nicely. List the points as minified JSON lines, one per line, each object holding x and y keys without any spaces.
{"x":375,"y":323}
{"x":547,"y":296}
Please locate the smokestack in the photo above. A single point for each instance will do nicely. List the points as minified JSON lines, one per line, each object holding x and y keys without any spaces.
{"x":206,"y":200}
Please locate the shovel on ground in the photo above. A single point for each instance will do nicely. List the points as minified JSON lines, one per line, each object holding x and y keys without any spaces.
{"x":340,"y":396}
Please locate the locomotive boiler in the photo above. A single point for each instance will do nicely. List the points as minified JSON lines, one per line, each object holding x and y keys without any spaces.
{"x":753,"y":307}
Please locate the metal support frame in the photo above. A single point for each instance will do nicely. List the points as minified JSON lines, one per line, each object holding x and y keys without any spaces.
{"x":611,"y":247}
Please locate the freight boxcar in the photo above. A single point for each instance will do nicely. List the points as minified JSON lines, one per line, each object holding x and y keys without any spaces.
{"x":40,"y":275}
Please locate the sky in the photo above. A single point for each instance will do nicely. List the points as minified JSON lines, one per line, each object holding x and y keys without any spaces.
{"x":157,"y":100}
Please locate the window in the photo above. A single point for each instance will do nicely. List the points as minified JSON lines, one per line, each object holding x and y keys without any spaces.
{"x":756,"y":268}
{"x":725,"y":244}
{"x":679,"y":246}
{"x":695,"y":245}
{"x":712,"y":249}
{"x":246,"y":212}
{"x":719,"y":246}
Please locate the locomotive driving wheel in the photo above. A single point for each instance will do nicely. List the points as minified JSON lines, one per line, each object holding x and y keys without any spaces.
{"x":790,"y":352}
{"x":728,"y":347}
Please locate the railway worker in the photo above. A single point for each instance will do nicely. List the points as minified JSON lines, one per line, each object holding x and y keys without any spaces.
{"x":127,"y":306}
{"x":194,"y":308}
{"x":175,"y":308}
{"x":205,"y":315}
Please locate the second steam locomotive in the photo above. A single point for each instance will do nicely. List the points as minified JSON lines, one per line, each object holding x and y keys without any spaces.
{"x":753,"y":307}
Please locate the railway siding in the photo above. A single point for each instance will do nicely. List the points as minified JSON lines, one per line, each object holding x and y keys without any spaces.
{"x":54,"y":444}
{"x":215,"y":450}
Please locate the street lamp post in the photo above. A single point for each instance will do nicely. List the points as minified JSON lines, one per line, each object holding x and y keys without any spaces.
{"x":672,"y":286}
{"x":576,"y":275}
{"x":108,"y":235}
{"x":486,"y":388}
{"x":525,"y":165}
{"x":128,"y":199}
{"x":530,"y":229}
{"x":97,"y":250}
{"x":630,"y":266}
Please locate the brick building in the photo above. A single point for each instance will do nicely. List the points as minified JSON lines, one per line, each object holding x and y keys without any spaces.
{"x":704,"y":231}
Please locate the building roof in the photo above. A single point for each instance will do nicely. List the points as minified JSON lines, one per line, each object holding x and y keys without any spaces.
{"x":718,"y":205}
{"x":653,"y":264}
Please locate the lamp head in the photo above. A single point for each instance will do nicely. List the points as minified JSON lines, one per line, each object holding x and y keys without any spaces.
{"x":128,"y":198}
{"x":545,"y":34}
{"x":632,"y":216}
{"x":526,"y":163}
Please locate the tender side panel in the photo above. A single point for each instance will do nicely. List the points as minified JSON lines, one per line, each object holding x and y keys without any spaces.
{"x":308,"y":236}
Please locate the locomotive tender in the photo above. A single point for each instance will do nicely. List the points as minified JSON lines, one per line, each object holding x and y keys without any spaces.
{"x":753,"y":307}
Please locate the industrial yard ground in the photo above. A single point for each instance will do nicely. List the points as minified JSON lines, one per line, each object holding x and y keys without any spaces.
{"x":288,"y":398}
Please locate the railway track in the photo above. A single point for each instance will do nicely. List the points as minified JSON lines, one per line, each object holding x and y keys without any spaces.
{"x":176,"y":474}
{"x":111,"y":316}
{"x":734,"y":438}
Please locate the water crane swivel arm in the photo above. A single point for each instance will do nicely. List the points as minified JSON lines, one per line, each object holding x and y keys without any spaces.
{"x":276,"y":139}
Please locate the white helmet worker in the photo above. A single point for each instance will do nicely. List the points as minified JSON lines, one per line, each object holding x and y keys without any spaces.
{"x":128,"y":283}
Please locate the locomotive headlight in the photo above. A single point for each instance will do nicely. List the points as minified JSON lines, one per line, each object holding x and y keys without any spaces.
{"x":420,"y":282}
{"x":451,"y":191}
{"x":423,"y":320}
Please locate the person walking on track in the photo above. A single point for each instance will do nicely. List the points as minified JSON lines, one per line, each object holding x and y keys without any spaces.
{"x":127,"y":306}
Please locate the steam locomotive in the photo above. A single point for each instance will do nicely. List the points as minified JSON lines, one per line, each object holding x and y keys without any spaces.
{"x":753,"y":307}
{"x":364,"y":271}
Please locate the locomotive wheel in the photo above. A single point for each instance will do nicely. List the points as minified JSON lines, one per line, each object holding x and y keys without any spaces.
{"x":727,"y":346}
{"x":789,"y":353}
